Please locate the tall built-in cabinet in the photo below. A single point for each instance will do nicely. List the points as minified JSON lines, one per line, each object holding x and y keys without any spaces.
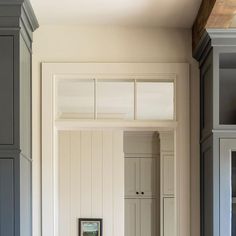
{"x":141,"y":183}
{"x":216,"y":54}
{"x":17,"y":23}
{"x":150,"y":199}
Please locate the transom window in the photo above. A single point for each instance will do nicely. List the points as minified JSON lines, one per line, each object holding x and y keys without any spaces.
{"x":122,"y":99}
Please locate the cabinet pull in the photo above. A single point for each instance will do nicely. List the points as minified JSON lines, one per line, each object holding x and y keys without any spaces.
{"x":142,"y":192}
{"x":137,"y":192}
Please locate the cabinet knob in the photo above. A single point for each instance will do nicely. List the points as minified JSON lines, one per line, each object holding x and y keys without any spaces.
{"x":142,"y":192}
{"x":137,"y":192}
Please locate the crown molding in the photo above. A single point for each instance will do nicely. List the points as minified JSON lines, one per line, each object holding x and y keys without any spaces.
{"x":213,"y":38}
{"x":15,"y":12}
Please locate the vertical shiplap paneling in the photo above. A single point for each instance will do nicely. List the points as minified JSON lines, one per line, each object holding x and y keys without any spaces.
{"x":118,"y":183}
{"x":86,"y":174}
{"x":107,"y":184}
{"x":97,"y":169}
{"x":64,"y":183}
{"x":91,"y":180}
{"x":75,"y":149}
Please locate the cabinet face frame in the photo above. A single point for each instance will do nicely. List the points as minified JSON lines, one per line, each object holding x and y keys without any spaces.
{"x":50,"y":127}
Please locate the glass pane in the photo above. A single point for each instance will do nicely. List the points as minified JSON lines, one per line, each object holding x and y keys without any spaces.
{"x":115,"y":100}
{"x":233,"y":193}
{"x":227,"y":73}
{"x":155,"y":100}
{"x":75,"y":99}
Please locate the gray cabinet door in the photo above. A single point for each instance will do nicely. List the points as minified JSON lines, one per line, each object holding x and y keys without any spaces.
{"x":148,"y":217}
{"x":207,"y":182}
{"x":227,"y":158}
{"x":132,"y":217}
{"x":148,"y":177}
{"x":132,"y":180}
{"x":7,"y":197}
{"x":6,"y":90}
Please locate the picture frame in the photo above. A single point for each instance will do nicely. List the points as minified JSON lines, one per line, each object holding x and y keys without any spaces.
{"x":90,"y":227}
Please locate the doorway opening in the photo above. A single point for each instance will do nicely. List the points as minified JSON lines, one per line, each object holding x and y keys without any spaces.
{"x":126,"y":178}
{"x":85,"y":176}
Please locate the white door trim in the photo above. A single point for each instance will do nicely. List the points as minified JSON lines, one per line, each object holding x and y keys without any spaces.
{"x":180,"y":71}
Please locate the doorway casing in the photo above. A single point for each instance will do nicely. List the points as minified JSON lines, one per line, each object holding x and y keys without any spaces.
{"x":179,"y":72}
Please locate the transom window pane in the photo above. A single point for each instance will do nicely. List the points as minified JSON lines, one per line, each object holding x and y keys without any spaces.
{"x":75,"y":98}
{"x":155,"y":100}
{"x":115,"y":100}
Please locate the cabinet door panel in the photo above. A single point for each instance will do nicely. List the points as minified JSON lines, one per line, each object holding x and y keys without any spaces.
{"x":227,"y":187}
{"x":148,"y":217}
{"x":169,"y":217}
{"x":168,"y":175}
{"x":7,"y":197}
{"x":148,"y":177}
{"x":6,"y":90}
{"x":131,"y":177}
{"x":132,"y":217}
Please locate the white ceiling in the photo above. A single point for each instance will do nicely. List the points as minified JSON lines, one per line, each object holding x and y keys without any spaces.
{"x":159,"y":13}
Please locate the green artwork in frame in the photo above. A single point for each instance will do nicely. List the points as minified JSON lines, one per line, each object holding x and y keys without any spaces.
{"x":90,"y":227}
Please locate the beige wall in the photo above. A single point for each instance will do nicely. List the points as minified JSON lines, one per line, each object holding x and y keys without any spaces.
{"x":111,"y":44}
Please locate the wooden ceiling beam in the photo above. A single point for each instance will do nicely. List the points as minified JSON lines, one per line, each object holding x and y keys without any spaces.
{"x":212,"y":14}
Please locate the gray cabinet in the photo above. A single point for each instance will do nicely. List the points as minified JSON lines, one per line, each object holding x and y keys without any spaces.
{"x":141,"y":183}
{"x":216,"y":54}
{"x":17,"y":22}
{"x":140,"y":217}
{"x":140,"y":177}
{"x":7,"y":90}
{"x":7,"y":197}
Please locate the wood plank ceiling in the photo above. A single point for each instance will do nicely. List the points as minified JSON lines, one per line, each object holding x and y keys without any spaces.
{"x":212,"y":14}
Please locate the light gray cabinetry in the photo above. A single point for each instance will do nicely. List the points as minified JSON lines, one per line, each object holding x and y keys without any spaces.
{"x":132,"y":217}
{"x":140,"y":215}
{"x":140,"y":175}
{"x":140,"y":194}
{"x":141,"y":183}
{"x":132,"y":169}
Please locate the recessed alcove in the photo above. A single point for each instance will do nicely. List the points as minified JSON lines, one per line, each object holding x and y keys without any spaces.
{"x":227,"y":84}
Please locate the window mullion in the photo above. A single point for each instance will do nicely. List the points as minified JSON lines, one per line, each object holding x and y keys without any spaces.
{"x":135,"y":99}
{"x":95,"y":99}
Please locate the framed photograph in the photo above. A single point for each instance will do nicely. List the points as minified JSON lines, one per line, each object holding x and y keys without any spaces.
{"x":90,"y":227}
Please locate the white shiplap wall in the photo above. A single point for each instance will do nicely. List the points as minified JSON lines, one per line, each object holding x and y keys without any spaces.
{"x":91,"y":180}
